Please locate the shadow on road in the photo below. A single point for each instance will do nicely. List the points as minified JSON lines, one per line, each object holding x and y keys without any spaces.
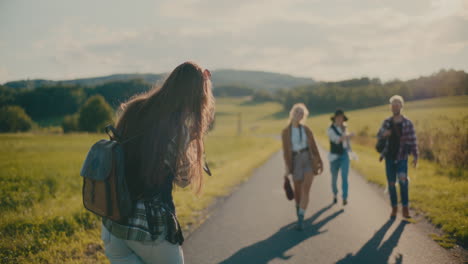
{"x":372,"y":252}
{"x":283,"y":240}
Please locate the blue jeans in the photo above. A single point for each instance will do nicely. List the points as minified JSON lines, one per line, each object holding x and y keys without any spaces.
{"x":342,"y":162}
{"x":394,"y":169}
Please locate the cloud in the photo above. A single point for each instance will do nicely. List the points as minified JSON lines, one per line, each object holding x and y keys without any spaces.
{"x":330,"y":40}
{"x":4,"y":74}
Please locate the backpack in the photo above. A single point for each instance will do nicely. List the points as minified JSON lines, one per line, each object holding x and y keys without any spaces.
{"x":380,"y":145}
{"x":105,"y":190}
{"x":381,"y":142}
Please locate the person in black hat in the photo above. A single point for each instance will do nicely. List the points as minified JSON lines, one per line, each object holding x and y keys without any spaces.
{"x":338,"y":156}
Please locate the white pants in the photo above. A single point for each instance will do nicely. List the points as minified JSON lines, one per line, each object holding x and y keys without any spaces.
{"x":128,"y":251}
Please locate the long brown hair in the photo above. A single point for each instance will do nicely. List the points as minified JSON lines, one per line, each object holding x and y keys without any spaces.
{"x":159,"y":115}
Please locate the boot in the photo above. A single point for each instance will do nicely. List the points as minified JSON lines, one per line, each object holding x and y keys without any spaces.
{"x":406,"y":212}
{"x":394,"y":212}
{"x":300,"y":222}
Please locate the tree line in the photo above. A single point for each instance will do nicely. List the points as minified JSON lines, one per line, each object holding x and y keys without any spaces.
{"x":65,"y":101}
{"x":365,"y":92}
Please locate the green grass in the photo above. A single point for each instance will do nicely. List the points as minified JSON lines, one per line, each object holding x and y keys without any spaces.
{"x":433,"y":190}
{"x":43,"y":220}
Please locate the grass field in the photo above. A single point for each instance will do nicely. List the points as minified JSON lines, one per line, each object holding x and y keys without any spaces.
{"x":43,"y":221}
{"x":434,"y":189}
{"x":42,"y":218}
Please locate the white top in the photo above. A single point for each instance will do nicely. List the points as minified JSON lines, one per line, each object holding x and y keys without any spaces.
{"x":297,"y":143}
{"x":335,"y":138}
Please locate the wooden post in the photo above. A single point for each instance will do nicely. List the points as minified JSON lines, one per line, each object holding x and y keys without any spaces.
{"x":239,"y":123}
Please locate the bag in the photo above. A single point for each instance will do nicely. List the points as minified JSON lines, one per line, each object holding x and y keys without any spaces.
{"x":381,"y":142}
{"x":105,"y":190}
{"x":288,"y":189}
{"x":380,"y":145}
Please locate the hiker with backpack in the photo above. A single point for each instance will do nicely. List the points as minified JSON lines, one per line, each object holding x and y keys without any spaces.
{"x":396,"y":141}
{"x":339,"y":155}
{"x":162,"y":132}
{"x":302,"y":158}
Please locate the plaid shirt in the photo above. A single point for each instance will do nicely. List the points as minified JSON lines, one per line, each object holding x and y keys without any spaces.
{"x":136,"y":228}
{"x":162,"y":217}
{"x":408,"y":142}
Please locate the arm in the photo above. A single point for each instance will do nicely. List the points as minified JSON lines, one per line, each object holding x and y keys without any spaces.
{"x":182,"y":177}
{"x":384,"y":130}
{"x":333,"y":136}
{"x":285,"y":152}
{"x":316,"y":154}
{"x":413,"y":144}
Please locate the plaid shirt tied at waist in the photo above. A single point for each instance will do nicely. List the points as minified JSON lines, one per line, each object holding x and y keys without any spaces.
{"x":152,"y":217}
{"x":140,"y":227}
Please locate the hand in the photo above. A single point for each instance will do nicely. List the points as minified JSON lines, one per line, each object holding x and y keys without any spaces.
{"x":319,"y":169}
{"x":414,"y":163}
{"x":387,"y":133}
{"x":286,"y":174}
{"x":380,"y":158}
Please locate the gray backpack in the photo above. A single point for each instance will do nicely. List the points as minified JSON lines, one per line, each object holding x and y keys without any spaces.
{"x":105,"y":190}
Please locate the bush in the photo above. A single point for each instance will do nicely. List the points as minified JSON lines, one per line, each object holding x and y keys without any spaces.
{"x":70,"y":123}
{"x":232,"y":90}
{"x":95,"y":114}
{"x":51,"y":101}
{"x":13,"y":119}
{"x":262,"y":96}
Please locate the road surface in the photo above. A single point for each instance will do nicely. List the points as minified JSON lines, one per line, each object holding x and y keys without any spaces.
{"x":256,"y":224}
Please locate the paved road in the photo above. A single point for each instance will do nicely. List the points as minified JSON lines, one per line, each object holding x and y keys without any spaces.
{"x":256,"y":225}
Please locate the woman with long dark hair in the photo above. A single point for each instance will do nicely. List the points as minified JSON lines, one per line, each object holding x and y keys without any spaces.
{"x":302,"y":158}
{"x":167,"y":125}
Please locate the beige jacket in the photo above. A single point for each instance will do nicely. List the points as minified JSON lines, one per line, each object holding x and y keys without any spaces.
{"x":317,"y":165}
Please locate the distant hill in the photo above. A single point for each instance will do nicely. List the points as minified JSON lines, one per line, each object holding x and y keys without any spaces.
{"x":258,"y":79}
{"x":31,"y":84}
{"x":252,"y":79}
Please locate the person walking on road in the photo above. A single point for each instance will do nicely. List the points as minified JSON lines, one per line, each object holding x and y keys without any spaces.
{"x":400,"y":141}
{"x":168,"y":124}
{"x":302,"y":158}
{"x":339,"y":153}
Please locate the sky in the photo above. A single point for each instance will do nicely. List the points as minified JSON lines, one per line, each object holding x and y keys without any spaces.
{"x":321,"y":39}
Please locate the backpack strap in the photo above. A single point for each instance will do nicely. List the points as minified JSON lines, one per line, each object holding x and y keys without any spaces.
{"x":115,"y":135}
{"x":300,"y":132}
{"x":336,"y":130}
{"x":110,"y":208}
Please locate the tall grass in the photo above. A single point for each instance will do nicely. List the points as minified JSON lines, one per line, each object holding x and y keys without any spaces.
{"x":447,"y":147}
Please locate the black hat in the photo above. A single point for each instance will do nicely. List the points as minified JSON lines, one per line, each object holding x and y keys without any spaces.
{"x":337,"y":113}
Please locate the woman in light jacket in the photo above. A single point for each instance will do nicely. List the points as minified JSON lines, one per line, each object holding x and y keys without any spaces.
{"x":302,"y":158}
